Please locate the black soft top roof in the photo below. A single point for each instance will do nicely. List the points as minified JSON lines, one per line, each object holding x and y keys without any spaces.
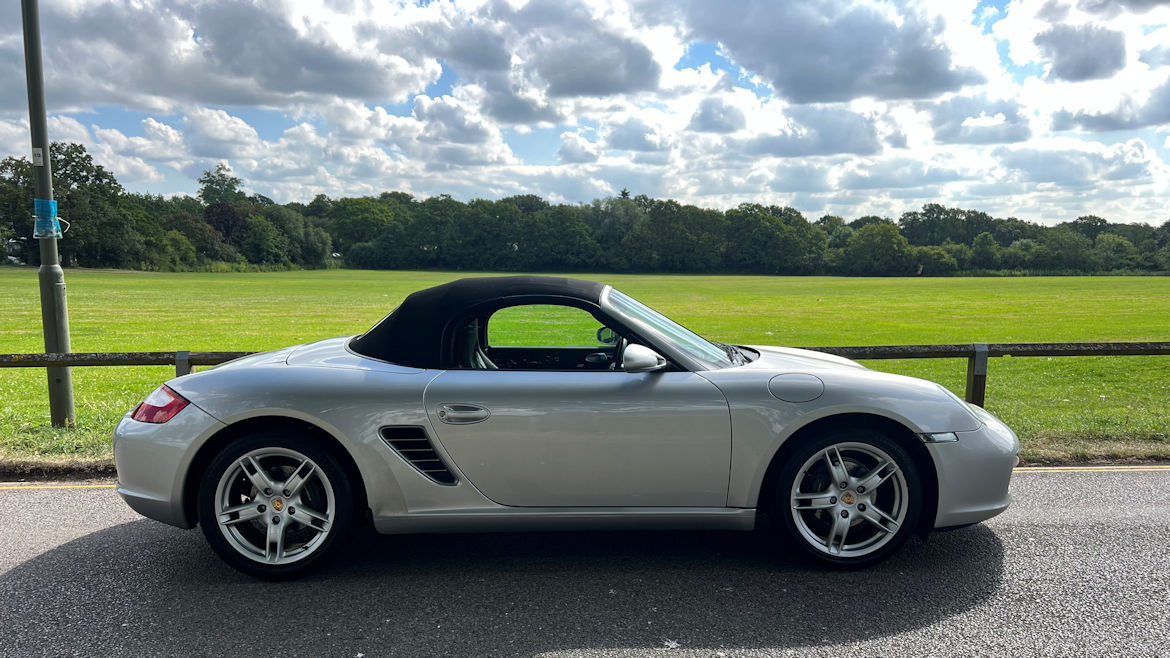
{"x":416,"y":333}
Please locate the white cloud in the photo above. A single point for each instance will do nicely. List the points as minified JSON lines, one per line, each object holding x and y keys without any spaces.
{"x":1087,"y":52}
{"x":575,"y":148}
{"x":218,"y":135}
{"x":855,"y":108}
{"x":979,"y":120}
{"x":832,"y":51}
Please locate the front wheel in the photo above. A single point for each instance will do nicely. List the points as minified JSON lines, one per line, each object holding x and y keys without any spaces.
{"x":850,"y":498}
{"x":274,"y":505}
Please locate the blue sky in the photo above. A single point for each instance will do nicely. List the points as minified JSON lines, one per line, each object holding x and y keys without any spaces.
{"x":1039,"y":110}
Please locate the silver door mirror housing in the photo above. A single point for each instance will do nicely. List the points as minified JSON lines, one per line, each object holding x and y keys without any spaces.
{"x":639,"y":358}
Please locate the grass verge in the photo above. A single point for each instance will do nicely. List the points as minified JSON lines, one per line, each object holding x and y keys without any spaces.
{"x":1083,"y":409}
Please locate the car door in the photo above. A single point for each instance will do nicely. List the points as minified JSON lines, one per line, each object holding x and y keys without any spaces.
{"x":583,"y":438}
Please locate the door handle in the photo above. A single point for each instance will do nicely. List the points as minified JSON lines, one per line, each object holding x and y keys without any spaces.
{"x":597,"y":357}
{"x":462,"y":414}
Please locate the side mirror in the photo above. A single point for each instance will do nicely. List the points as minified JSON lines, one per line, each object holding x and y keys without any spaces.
{"x":639,"y":358}
{"x":607,"y":336}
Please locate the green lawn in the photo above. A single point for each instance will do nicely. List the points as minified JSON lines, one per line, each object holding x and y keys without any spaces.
{"x":1063,"y":408}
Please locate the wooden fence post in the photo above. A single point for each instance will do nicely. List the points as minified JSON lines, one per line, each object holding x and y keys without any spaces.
{"x":183,"y":363}
{"x":977,"y":374}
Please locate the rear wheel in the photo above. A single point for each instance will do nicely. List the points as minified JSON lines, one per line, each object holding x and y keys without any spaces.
{"x":850,"y":498}
{"x":275,"y":505}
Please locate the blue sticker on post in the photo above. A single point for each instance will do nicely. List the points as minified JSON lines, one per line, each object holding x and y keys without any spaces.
{"x":45,"y":225}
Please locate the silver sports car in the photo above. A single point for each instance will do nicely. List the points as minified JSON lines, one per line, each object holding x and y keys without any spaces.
{"x":536,"y":403}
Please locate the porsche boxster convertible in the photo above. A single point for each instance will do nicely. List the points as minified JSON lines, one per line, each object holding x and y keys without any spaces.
{"x":539,"y":403}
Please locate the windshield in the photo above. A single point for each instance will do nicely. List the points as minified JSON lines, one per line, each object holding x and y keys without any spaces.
{"x":643,"y":317}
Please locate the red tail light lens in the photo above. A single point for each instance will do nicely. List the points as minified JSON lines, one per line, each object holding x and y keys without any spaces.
{"x":160,"y":406}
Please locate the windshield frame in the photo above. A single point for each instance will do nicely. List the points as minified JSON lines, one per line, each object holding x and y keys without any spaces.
{"x":679,"y":343}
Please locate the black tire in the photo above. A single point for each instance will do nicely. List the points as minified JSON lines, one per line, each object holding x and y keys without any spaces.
{"x":325,"y":499}
{"x":812,"y":522}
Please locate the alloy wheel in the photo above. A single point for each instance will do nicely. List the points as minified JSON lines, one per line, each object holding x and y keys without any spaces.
{"x":849,"y":500}
{"x":275,"y":505}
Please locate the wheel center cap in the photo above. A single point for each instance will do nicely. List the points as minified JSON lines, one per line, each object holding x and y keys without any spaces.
{"x":278,"y":504}
{"x":846,"y":498}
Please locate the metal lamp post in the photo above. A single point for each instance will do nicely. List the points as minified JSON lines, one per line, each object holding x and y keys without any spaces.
{"x":54,"y":311}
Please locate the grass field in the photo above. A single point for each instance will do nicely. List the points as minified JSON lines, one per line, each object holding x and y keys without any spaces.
{"x":1080,"y":409}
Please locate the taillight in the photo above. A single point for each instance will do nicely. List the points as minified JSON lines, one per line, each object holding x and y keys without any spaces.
{"x":160,"y":406}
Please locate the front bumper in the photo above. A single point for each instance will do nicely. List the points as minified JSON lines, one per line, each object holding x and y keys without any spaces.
{"x":974,"y":472}
{"x":152,"y":460}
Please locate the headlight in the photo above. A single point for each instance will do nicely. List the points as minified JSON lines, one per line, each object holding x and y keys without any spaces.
{"x":996,"y":427}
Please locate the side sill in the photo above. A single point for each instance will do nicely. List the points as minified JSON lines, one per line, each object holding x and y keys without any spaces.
{"x":539,"y":519}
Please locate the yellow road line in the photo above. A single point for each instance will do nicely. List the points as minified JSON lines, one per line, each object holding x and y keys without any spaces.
{"x":58,"y":486}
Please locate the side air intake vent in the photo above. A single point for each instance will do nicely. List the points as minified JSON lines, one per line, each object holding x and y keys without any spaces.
{"x":413,"y":445}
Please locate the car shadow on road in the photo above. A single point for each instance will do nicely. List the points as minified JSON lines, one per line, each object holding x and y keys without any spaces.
{"x":144,"y":588}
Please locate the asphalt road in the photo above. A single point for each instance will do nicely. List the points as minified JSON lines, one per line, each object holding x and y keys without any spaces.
{"x":1078,"y":566}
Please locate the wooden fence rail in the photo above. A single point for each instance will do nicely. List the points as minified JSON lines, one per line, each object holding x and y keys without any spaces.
{"x":976,"y":355}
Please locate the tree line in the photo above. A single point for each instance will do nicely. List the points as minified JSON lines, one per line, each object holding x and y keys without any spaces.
{"x":223,"y":228}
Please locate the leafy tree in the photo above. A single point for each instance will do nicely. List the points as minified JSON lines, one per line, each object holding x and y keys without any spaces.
{"x":840,"y":237}
{"x":862,"y":222}
{"x":526,"y":203}
{"x":207,"y":242}
{"x":16,"y":204}
{"x":1013,"y":258}
{"x":1114,"y":252}
{"x":772,"y":240}
{"x":1061,"y":248}
{"x":317,"y":247}
{"x":308,"y":245}
{"x":556,"y":238}
{"x":433,"y":231}
{"x":678,"y":238}
{"x":879,"y":249}
{"x":1007,"y":231}
{"x":227,"y":220}
{"x":834,"y":261}
{"x":263,"y":243}
{"x":1135,"y":233}
{"x":612,"y":220}
{"x":933,"y":260}
{"x":1163,"y":258}
{"x":87,"y":196}
{"x":220,"y":186}
{"x":985,"y":251}
{"x":1089,"y":226}
{"x":319,"y":207}
{"x":830,"y":223}
{"x":644,"y":202}
{"x":1162,"y":234}
{"x":351,"y":221}
{"x":400,"y":198}
{"x":934,"y":224}
{"x":489,"y":237}
{"x":960,"y":252}
{"x":179,"y":250}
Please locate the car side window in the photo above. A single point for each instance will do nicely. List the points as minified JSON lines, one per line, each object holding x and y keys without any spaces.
{"x":542,"y":325}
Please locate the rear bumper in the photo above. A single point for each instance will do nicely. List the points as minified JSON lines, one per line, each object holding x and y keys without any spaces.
{"x":974,"y":473}
{"x":152,"y":462}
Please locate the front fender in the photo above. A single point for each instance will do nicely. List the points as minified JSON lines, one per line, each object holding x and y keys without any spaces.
{"x":761,"y":423}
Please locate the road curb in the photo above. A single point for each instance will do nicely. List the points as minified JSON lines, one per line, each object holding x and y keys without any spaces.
{"x":65,"y":469}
